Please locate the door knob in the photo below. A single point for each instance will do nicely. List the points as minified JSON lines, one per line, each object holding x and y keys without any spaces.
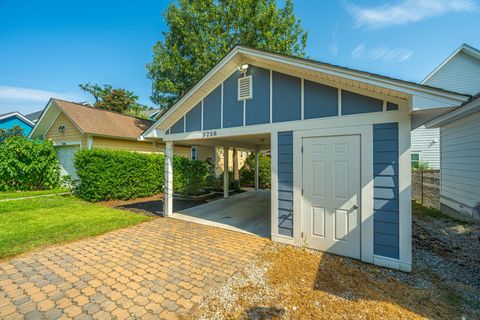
{"x":355,"y":207}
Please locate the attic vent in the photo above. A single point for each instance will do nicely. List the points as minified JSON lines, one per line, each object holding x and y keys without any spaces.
{"x":245,"y":90}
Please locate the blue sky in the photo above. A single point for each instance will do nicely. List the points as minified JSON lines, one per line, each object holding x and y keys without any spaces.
{"x":48,"y":47}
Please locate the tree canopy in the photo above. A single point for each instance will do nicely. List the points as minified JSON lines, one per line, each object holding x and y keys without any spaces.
{"x":115,"y":99}
{"x":15,"y":131}
{"x":201,"y":32}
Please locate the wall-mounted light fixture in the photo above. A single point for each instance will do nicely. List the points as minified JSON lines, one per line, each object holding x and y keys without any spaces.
{"x":244,"y":69}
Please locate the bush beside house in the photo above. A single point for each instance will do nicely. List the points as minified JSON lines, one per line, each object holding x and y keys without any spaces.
{"x":113,"y":174}
{"x":109,"y":174}
{"x":247,"y":172}
{"x":27,"y":165}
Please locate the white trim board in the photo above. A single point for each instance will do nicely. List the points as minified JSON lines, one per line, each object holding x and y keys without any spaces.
{"x":459,"y":113}
{"x":18,"y":115}
{"x":68,"y":143}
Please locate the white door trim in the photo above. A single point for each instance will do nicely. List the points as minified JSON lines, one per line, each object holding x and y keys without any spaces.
{"x":366,"y":180}
{"x":67,"y":143}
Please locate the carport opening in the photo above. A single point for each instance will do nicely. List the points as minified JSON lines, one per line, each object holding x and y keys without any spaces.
{"x":245,"y":205}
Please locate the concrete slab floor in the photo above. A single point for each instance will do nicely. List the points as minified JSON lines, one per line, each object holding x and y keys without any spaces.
{"x":247,"y":212}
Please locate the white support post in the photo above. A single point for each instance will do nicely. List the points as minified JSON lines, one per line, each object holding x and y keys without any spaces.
{"x":168,"y":188}
{"x":226,"y":183}
{"x":236,"y":174}
{"x":216,"y":169}
{"x":89,"y":142}
{"x":256,"y":168}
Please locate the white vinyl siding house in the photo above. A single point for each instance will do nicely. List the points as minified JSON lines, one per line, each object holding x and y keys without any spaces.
{"x":460,"y":72}
{"x":339,"y":141}
{"x":460,"y":160}
{"x":461,"y":164}
{"x":426,"y":143}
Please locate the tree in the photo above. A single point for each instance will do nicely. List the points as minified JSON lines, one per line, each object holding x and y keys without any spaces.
{"x":15,"y":131}
{"x":201,"y":32}
{"x":112,"y":99}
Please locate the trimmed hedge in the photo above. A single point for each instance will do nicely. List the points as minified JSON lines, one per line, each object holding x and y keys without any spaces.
{"x":28,"y":165}
{"x":247,"y":172}
{"x":189,"y":176}
{"x":113,"y":174}
{"x":108,"y":174}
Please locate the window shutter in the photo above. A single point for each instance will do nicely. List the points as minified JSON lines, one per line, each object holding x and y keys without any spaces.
{"x":245,"y":88}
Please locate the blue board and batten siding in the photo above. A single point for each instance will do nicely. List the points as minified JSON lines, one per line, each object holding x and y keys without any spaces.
{"x":285,"y":183}
{"x":386,"y":193}
{"x":320,"y":101}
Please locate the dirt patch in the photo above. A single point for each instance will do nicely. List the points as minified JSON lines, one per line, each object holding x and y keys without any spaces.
{"x":152,"y":205}
{"x":119,"y":203}
{"x":294,"y":283}
{"x":287,"y":282}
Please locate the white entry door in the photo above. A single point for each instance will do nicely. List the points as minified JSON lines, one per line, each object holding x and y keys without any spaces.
{"x":331,"y":194}
{"x":65,"y":155}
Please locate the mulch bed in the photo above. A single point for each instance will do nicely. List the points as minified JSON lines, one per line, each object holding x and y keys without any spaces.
{"x":154,"y":205}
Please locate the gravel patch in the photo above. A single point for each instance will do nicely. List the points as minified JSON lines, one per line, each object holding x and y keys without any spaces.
{"x":296,"y":283}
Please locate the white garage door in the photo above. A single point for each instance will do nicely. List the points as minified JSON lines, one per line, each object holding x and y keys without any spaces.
{"x":331,"y":186}
{"x":65,"y":155}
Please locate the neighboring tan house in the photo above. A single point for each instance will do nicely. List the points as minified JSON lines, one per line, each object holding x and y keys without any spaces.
{"x":459,"y":73}
{"x":12,"y":119}
{"x":339,"y":141}
{"x":73,"y":126}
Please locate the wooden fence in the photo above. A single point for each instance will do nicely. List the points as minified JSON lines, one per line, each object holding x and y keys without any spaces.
{"x":426,"y":187}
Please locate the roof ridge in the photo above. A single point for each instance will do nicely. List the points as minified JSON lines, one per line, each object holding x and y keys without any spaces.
{"x":103,"y":110}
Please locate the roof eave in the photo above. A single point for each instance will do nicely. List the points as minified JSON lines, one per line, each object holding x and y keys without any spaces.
{"x":399,"y":85}
{"x":19,"y":115}
{"x":458,"y":113}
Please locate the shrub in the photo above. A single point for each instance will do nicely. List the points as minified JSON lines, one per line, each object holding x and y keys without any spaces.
{"x":421,"y":166}
{"x":112,"y":174}
{"x":109,"y":174}
{"x":247,"y":172}
{"x":189,"y":176}
{"x":28,"y":165}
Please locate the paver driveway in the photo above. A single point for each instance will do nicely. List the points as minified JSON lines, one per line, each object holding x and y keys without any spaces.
{"x":153,"y":270}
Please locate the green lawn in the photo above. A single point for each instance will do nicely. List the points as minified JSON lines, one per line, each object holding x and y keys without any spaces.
{"x":22,"y":194}
{"x":32,"y":223}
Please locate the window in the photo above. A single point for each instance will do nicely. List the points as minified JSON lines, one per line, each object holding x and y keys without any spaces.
{"x":415,"y":159}
{"x":194,"y":153}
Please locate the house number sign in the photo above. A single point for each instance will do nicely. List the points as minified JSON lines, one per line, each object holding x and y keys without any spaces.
{"x":208,"y":134}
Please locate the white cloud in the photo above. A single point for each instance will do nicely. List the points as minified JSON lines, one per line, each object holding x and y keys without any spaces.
{"x":359,"y":51}
{"x":27,"y":94}
{"x":28,"y":100}
{"x":407,"y":11}
{"x":381,"y":53}
{"x":334,"y":42}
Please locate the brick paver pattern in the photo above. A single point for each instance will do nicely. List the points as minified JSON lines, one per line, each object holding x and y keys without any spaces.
{"x":155,"y":270}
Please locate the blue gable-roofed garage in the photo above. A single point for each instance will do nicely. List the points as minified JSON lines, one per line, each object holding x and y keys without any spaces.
{"x":339,"y":144}
{"x":15,"y":119}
